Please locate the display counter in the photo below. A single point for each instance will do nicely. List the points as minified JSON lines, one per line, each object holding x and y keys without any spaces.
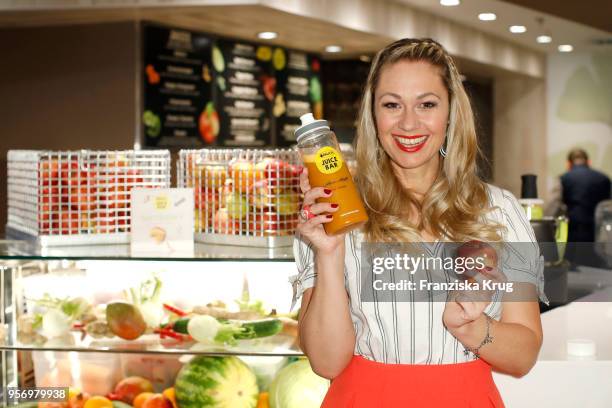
{"x":574,"y":367}
{"x":97,"y":321}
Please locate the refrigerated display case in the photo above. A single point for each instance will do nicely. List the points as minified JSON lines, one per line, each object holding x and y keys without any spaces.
{"x":88,"y":318}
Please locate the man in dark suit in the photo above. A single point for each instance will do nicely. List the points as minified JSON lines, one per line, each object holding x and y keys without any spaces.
{"x":582,"y":189}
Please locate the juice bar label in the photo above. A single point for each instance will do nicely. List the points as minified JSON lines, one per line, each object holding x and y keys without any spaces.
{"x":299,"y":92}
{"x":328,"y":160}
{"x":243,"y":86}
{"x":177,"y":82}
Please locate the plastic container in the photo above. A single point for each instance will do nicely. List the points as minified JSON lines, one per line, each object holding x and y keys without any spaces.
{"x":160,"y":369}
{"x":326,"y":168}
{"x":93,"y":373}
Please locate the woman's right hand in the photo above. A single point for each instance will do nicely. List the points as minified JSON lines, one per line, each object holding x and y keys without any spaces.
{"x":312,"y":229}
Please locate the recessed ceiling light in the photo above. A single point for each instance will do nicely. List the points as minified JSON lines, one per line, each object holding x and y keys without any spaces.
{"x":267,"y":35}
{"x":518,"y":29}
{"x":333,"y":48}
{"x":365,"y":58}
{"x":449,"y":3}
{"x":487,"y":16}
{"x":544,"y":39}
{"x":565,"y":48}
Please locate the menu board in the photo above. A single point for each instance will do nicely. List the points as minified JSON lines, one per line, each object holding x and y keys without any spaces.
{"x":205,"y":91}
{"x":244,"y":83}
{"x":178,"y":108}
{"x":299,"y":92}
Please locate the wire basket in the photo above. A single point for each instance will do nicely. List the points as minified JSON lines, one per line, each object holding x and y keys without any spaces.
{"x":243,"y":197}
{"x":79,"y":197}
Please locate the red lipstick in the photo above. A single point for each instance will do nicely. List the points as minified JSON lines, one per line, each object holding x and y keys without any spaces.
{"x":409,"y":149}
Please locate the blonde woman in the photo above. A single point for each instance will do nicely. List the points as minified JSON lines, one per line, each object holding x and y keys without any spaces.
{"x":416,"y":152}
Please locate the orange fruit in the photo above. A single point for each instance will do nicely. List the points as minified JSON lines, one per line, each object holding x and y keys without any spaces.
{"x":98,"y":402}
{"x":263,"y":400}
{"x":141,"y":398}
{"x":171,"y":395}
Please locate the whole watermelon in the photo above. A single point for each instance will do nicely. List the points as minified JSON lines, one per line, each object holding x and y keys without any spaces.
{"x":220,"y":382}
{"x":297,"y":386}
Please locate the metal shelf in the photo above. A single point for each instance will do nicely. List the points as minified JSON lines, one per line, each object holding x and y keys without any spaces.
{"x":279,"y":345}
{"x":28,"y":250}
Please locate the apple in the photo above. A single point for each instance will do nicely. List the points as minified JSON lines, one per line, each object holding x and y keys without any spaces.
{"x":117,"y":196}
{"x":69,"y":222}
{"x":477,"y":249}
{"x":81,"y":200}
{"x":213,"y":176}
{"x":278,"y":172}
{"x":49,"y":195}
{"x":49,"y":211}
{"x":271,"y":223}
{"x":68,"y":169}
{"x":237,"y":206}
{"x":283,"y":201}
{"x":223,"y":224}
{"x":105,"y":221}
{"x":244,"y":175}
{"x":208,"y":200}
{"x":48,"y":172}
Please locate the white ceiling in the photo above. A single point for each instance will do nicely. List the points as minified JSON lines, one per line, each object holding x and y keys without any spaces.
{"x":562,"y":31}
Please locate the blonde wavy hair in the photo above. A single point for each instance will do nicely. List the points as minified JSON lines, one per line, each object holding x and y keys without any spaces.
{"x":456,"y":205}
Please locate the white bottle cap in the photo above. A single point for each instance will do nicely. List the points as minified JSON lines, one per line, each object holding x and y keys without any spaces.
{"x":309,"y":125}
{"x":307,"y":118}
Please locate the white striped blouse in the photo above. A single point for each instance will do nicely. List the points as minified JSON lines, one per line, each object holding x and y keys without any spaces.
{"x":412,"y":332}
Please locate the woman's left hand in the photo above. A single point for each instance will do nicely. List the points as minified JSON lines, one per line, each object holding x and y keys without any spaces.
{"x":461,"y":310}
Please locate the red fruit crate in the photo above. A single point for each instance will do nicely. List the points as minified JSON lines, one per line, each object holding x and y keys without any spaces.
{"x":79,"y":197}
{"x":243,"y":196}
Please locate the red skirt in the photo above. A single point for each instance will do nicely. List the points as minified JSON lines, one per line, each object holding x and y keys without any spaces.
{"x":368,"y":384}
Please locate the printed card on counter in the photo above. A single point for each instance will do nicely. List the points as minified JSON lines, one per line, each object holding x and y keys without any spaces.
{"x":162,"y":222}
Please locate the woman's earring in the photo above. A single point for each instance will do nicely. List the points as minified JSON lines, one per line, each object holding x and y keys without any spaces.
{"x":443,"y":151}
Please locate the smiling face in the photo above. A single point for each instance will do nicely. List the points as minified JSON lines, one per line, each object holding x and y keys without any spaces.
{"x":411,"y":106}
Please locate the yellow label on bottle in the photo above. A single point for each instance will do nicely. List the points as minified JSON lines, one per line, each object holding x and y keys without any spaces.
{"x":328,"y":160}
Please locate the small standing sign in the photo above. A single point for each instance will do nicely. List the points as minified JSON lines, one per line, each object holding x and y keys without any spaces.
{"x":162,"y":222}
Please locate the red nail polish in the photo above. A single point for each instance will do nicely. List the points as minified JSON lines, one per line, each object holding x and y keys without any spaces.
{"x":327,"y":191}
{"x":329,"y":216}
{"x":334,"y":206}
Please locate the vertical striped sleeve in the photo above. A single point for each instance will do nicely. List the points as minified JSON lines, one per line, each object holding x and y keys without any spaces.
{"x":304,"y":261}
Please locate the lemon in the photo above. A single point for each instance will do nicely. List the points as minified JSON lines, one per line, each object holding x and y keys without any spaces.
{"x":279,"y":59}
{"x":264,"y":53}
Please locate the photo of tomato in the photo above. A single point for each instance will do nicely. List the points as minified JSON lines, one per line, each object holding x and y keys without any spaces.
{"x":208,"y":124}
{"x":268,"y":84}
{"x":152,"y":76}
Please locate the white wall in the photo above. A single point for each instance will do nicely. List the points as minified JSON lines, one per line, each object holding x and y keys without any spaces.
{"x":579,"y":111}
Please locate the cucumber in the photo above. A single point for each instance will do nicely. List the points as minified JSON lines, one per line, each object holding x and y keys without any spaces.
{"x":259,"y":328}
{"x":180,"y":326}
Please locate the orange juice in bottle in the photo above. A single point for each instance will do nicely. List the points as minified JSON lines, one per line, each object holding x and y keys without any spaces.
{"x":326,"y":168}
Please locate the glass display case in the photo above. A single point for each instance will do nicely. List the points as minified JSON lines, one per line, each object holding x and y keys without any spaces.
{"x":93,"y":319}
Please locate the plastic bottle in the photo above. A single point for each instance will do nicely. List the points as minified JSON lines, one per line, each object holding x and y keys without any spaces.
{"x":326,"y":168}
